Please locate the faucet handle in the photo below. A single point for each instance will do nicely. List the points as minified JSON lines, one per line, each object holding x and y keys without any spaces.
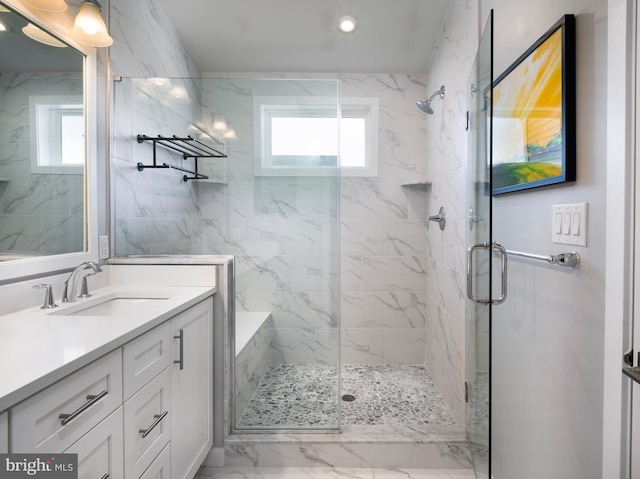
{"x":49,"y":303}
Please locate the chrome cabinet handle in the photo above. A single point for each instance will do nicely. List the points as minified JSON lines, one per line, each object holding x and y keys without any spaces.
{"x":106,"y":476}
{"x":503,"y":272}
{"x":180,"y":361}
{"x":158,"y":418}
{"x":93,"y":399}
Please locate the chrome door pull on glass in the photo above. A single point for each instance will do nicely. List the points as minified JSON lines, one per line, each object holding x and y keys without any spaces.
{"x":180,"y":361}
{"x":158,"y":418}
{"x":93,"y":399}
{"x":503,"y":271}
{"x":441,"y":218}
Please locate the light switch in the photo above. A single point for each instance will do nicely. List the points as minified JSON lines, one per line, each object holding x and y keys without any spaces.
{"x":569,"y":224}
{"x":575,"y":224}
{"x":557,"y":223}
{"x":566,"y":223}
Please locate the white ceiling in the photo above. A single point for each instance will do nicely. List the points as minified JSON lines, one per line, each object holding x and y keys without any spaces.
{"x":302,"y":35}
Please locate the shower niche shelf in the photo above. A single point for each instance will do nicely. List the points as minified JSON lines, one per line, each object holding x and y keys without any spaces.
{"x":423,"y":185}
{"x":188,"y":147}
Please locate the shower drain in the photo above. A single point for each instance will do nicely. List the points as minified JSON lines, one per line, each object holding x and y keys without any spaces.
{"x":348,"y":397}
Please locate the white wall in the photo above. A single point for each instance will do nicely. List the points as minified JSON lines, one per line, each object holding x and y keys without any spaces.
{"x":547,"y":356}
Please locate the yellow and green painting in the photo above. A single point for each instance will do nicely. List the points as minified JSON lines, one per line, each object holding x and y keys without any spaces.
{"x":527,"y":119}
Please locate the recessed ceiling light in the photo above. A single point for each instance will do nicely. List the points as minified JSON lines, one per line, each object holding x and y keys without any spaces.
{"x":347,"y":24}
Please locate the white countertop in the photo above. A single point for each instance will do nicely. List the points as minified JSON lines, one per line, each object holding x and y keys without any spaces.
{"x":39,"y":347}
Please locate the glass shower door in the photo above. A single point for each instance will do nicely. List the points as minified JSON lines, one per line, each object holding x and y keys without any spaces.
{"x":479,"y":241}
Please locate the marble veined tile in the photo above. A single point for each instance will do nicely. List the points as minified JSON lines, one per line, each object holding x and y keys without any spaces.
{"x":394,"y":273}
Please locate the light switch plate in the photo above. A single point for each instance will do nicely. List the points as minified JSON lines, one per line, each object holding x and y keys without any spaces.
{"x":569,"y":224}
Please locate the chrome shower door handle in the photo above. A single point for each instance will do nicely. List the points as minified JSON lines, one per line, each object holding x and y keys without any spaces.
{"x":503,"y":273}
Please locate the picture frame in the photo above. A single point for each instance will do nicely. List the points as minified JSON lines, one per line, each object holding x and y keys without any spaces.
{"x":534,"y":115}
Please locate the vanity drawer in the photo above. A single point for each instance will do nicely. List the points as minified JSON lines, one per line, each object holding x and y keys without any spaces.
{"x":160,"y":468}
{"x":101,"y":451}
{"x":147,"y":414}
{"x":145,"y":357}
{"x":85,"y":398}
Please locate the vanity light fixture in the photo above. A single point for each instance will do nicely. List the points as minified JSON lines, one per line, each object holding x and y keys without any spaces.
{"x":347,"y":24}
{"x":89,"y":27}
{"x":55,"y":6}
{"x":4,"y":9}
{"x":41,"y":36}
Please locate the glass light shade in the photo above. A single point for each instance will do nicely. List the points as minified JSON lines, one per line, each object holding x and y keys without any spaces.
{"x":3,"y":27}
{"x":47,"y":5}
{"x":89,"y":27}
{"x":41,"y":36}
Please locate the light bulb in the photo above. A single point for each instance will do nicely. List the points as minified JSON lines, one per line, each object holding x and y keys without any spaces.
{"x":347,"y":24}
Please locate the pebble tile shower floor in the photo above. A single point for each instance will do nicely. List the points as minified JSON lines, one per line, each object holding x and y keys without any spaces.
{"x":305,"y":395}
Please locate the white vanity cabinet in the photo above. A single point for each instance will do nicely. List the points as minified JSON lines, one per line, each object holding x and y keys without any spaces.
{"x":4,"y":432}
{"x":144,"y":410}
{"x":191,"y":390}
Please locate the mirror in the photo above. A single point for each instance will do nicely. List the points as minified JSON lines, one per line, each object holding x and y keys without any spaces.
{"x":45,"y":153}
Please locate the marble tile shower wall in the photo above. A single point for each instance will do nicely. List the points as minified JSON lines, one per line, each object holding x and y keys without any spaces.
{"x":38,"y":212}
{"x":156,"y":212}
{"x":282,"y":230}
{"x":446,"y":145}
{"x":153,"y":211}
{"x":383,"y":236}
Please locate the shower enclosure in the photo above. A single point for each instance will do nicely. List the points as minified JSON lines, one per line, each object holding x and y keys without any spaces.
{"x":249,"y":168}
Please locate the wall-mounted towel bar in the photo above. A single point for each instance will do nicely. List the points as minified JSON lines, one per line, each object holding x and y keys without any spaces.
{"x":571,"y":260}
{"x":188,"y":147}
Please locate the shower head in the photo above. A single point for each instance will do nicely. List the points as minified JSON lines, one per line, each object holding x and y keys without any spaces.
{"x":425,"y":105}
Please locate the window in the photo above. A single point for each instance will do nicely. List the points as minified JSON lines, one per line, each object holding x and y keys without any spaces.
{"x":57,"y":134}
{"x":301,"y":136}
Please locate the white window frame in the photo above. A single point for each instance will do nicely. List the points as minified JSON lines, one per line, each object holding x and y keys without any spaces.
{"x":264,"y":107}
{"x":45,"y":115}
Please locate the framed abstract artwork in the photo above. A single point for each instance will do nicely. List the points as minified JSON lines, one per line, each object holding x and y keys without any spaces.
{"x":534,"y":114}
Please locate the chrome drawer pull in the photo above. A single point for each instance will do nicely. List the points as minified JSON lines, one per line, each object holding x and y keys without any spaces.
{"x":67,"y":418}
{"x":106,"y":476}
{"x":158,"y":418}
{"x":180,"y":361}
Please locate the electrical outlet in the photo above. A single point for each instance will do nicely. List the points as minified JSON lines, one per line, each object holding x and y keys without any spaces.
{"x":103,"y":249}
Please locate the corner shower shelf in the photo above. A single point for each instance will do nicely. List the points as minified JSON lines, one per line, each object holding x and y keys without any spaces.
{"x":423,"y":185}
{"x":188,"y":147}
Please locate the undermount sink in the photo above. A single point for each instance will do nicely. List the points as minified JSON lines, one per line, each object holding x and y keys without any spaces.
{"x":112,"y":305}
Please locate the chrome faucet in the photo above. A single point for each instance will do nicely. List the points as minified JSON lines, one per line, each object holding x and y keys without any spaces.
{"x":71,"y":284}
